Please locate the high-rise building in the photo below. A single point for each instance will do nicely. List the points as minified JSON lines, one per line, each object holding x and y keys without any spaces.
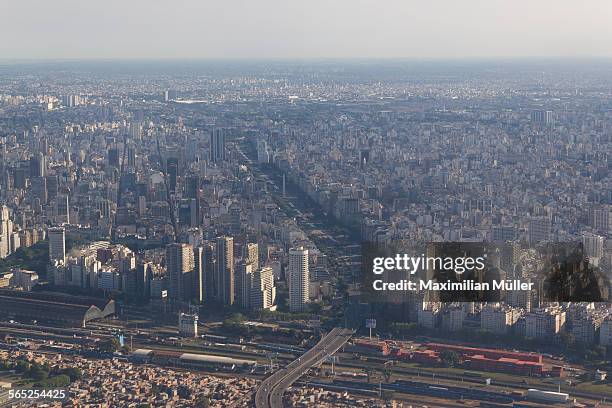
{"x":63,"y":208}
{"x":544,"y":323}
{"x":428,"y":315}
{"x":453,"y":319}
{"x":6,"y":228}
{"x":263,"y":291}
{"x":503,"y":233}
{"x":179,"y":262}
{"x":71,"y":100}
{"x":539,"y":230}
{"x":217,"y":145}
{"x":234,"y":212}
{"x":600,"y":217}
{"x":38,"y":165}
{"x":52,"y":186}
{"x":38,"y":189}
{"x":605,"y":332}
{"x":298,"y":279}
{"x":593,"y":247}
{"x":135,"y":130}
{"x":497,"y":319}
{"x":170,"y":95}
{"x":199,"y":286}
{"x":144,"y":274}
{"x":520,"y":298}
{"x":192,"y":186}
{"x":541,"y":117}
{"x":172,"y":171}
{"x":131,"y":156}
{"x":113,"y":157}
{"x":225,"y":270}
{"x":209,"y":267}
{"x":263,"y":155}
{"x":244,"y":283}
{"x":188,"y":212}
{"x":251,"y":254}
{"x":57,"y":244}
{"x":586,"y":328}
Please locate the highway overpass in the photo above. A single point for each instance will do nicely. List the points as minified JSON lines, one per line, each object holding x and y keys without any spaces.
{"x":271,"y":390}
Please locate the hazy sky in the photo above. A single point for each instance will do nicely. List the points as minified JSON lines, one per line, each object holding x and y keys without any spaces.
{"x":304,"y":29}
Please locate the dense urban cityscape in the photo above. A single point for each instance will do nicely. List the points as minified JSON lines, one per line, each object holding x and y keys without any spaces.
{"x":190,"y":233}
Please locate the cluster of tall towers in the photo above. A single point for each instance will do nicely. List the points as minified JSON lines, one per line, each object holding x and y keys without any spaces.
{"x":208,"y":274}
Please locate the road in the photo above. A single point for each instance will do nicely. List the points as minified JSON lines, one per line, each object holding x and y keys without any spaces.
{"x":271,"y":390}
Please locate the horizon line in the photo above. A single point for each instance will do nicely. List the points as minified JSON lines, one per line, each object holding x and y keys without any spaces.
{"x":281,"y":59}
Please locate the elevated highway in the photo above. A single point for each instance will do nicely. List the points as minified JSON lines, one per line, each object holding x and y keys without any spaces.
{"x":271,"y":390}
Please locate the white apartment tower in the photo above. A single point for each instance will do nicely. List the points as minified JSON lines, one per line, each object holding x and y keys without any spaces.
{"x":263,"y":291}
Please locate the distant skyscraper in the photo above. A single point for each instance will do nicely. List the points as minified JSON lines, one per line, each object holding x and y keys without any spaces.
{"x":113,"y":157}
{"x":170,"y":95}
{"x":503,"y":233}
{"x":600,"y":217}
{"x":52,"y":186}
{"x":179,"y":262}
{"x":131,"y":156}
{"x":192,"y":186}
{"x":542,"y":117}
{"x":234,"y":212}
{"x":38,"y":189}
{"x":57,"y":244}
{"x":263,"y":155}
{"x":63,"y":207}
{"x":38,"y":165}
{"x":217,"y":145}
{"x":539,"y":230}
{"x":225,"y":270}
{"x":172,"y":170}
{"x":19,"y":178}
{"x":298,"y":279}
{"x":593,"y":247}
{"x":135,"y":130}
{"x":71,"y":100}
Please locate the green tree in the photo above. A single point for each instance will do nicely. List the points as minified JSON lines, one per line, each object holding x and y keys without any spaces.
{"x":4,"y":365}
{"x":110,"y":346}
{"x":37,"y":373}
{"x":234,"y":323}
{"x":58,"y":381}
{"x":22,"y":366}
{"x":568,"y":339}
{"x":449,"y":357}
{"x":386,"y":374}
{"x":202,"y":401}
{"x":73,"y":373}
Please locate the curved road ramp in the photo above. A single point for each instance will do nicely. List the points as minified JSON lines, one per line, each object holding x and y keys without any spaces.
{"x":270,"y":393}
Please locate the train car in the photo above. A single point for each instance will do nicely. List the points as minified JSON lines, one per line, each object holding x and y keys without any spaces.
{"x":546,"y":396}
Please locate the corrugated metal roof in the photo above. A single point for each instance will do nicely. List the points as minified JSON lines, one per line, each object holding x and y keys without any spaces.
{"x":207,"y":358}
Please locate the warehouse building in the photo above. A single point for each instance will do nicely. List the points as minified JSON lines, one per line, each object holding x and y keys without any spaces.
{"x":191,"y":361}
{"x":56,"y":307}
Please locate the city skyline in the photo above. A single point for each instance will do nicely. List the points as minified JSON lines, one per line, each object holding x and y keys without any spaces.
{"x":197,"y":210}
